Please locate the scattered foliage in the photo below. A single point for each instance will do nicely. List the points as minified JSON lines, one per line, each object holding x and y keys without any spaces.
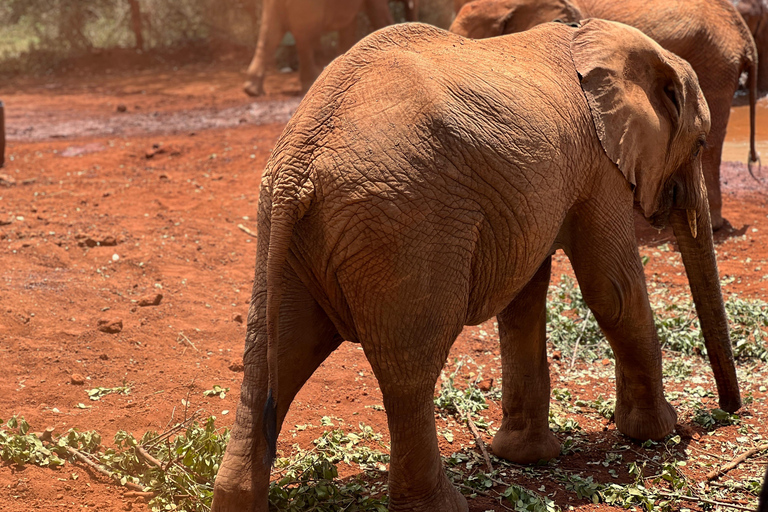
{"x":308,"y":479}
{"x":98,"y":393}
{"x":569,"y":323}
{"x":217,"y":391}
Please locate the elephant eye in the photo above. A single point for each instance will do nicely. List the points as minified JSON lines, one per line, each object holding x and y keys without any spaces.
{"x":700,"y":143}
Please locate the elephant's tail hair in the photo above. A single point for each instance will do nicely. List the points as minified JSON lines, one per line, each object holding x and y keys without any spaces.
{"x":752,"y":86}
{"x":288,"y":207}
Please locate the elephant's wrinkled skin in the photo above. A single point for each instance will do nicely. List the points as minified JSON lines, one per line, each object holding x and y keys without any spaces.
{"x":307,"y":20}
{"x":755,"y":14}
{"x":709,"y":34}
{"x":423,"y":185}
{"x":763,"y":506}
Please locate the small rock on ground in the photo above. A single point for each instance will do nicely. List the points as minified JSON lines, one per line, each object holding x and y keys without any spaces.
{"x":236,"y":366}
{"x":110,"y":325}
{"x":151,"y":300}
{"x":485,"y":384}
{"x":77,"y":379}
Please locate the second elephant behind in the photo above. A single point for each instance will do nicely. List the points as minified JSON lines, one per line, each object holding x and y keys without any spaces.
{"x":307,"y":20}
{"x":709,"y":34}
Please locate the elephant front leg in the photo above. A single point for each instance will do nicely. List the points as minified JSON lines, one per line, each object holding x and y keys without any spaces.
{"x":524,"y":436}
{"x":609,"y":271}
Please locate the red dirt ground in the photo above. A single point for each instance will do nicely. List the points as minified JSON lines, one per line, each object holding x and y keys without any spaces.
{"x":163,"y":188}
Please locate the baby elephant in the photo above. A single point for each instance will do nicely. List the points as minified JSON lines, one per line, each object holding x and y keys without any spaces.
{"x":423,"y":185}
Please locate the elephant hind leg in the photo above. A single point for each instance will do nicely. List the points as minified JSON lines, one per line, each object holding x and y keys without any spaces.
{"x":407,"y":367}
{"x":720,"y":109}
{"x":309,"y":70}
{"x":524,"y":436}
{"x":270,"y":35}
{"x":307,"y":337}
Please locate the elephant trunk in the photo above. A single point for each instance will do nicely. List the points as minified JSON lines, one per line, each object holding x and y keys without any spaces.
{"x":693,"y":230}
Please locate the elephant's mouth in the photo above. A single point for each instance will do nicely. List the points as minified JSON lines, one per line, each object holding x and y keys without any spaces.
{"x":666,"y":201}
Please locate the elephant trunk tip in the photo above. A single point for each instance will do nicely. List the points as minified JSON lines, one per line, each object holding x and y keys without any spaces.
{"x":269,"y":428}
{"x":754,"y":158}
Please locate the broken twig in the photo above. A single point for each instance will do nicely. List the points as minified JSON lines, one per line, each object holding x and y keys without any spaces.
{"x":735,"y":462}
{"x":478,"y":440}
{"x":183,"y":337}
{"x":101,"y":469}
{"x":581,"y":334}
{"x":697,"y":499}
{"x":246,"y":230}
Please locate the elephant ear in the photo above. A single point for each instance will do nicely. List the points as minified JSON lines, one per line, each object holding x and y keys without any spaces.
{"x":636,"y":99}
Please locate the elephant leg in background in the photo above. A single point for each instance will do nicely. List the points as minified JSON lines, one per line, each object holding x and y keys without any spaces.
{"x":347,"y":37}
{"x":269,"y":39}
{"x":378,"y":13}
{"x":606,"y":261}
{"x":411,"y":10}
{"x":309,"y":70}
{"x":307,"y":337}
{"x":407,"y":371}
{"x":720,"y":109}
{"x":524,"y":436}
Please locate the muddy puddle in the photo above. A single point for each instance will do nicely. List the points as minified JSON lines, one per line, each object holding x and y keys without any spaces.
{"x":31,"y":126}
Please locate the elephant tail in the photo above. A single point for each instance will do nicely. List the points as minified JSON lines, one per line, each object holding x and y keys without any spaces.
{"x":292,"y":196}
{"x":752,"y":86}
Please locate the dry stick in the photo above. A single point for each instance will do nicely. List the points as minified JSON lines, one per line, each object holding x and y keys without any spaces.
{"x":144,"y":454}
{"x":733,"y":486}
{"x":581,"y":334}
{"x":246,"y":230}
{"x":139,"y":494}
{"x":101,"y":469}
{"x":172,"y":431}
{"x":735,"y":462}
{"x":478,"y":440}
{"x":183,"y":337}
{"x":696,"y":499}
{"x":478,"y":491}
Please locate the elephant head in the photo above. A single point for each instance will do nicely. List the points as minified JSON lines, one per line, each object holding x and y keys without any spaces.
{"x":480,"y":19}
{"x":755,"y":14}
{"x":652,"y":121}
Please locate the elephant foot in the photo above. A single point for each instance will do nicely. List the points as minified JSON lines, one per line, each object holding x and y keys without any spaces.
{"x":645,"y":423}
{"x":525,"y":446}
{"x":252,"y":88}
{"x":237,"y":488}
{"x":446,"y":498}
{"x":718,"y":222}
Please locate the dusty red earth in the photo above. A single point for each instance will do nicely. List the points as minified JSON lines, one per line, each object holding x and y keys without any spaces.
{"x":119,"y":187}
